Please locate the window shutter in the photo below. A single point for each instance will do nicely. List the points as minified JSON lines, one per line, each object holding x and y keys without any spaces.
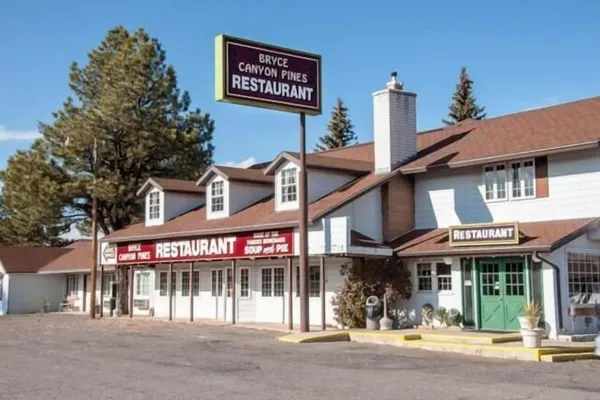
{"x":541,"y":177}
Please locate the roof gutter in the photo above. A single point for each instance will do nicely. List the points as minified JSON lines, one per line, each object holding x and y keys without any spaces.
{"x":473,"y":252}
{"x":506,"y":157}
{"x":558,"y":306}
{"x":201,"y":232}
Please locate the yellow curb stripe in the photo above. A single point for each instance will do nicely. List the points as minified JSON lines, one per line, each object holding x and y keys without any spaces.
{"x":329,"y":337}
{"x":397,"y":336}
{"x":568,"y":357}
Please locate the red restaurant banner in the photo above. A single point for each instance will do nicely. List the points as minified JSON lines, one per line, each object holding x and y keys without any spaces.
{"x":246,"y":245}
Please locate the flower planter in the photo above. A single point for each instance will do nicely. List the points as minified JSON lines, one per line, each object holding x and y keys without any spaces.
{"x":525,"y":322}
{"x":532,"y":338}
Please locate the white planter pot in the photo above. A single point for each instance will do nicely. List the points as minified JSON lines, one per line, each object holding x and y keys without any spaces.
{"x":532,"y":338}
{"x":526,"y":324}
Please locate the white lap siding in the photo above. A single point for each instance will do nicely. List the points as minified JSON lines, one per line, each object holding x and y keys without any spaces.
{"x":251,"y":308}
{"x":448,"y":299}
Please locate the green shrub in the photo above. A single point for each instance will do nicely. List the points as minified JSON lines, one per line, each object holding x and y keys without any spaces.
{"x":364,"y":278}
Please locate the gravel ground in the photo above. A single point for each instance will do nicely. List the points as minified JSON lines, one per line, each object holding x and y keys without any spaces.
{"x":66,"y":357}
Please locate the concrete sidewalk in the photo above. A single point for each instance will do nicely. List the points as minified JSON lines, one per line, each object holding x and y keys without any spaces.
{"x":484,"y":344}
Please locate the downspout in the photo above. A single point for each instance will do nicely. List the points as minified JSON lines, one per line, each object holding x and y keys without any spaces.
{"x":557,"y":287}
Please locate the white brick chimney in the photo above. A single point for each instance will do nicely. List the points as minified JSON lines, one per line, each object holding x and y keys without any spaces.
{"x":395,"y":123}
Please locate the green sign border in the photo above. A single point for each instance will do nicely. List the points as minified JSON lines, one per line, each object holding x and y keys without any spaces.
{"x":220,"y":77}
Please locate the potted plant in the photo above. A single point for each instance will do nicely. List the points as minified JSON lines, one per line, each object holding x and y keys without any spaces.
{"x":427,"y":313}
{"x":532,"y":335}
{"x":441,"y":315}
{"x":45,"y":306}
{"x":454,"y":318}
{"x":531,"y":316}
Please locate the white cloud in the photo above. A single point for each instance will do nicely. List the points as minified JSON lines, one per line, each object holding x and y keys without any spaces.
{"x":244,"y":164}
{"x":6,"y":134}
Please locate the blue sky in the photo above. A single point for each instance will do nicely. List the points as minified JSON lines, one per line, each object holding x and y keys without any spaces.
{"x":521,"y":55}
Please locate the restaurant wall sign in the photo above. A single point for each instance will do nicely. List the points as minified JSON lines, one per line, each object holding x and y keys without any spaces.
{"x":484,"y":234}
{"x":267,"y":76}
{"x":256,"y":244}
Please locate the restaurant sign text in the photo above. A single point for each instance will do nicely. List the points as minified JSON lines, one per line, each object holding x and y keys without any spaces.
{"x":484,"y":234}
{"x":249,"y":245}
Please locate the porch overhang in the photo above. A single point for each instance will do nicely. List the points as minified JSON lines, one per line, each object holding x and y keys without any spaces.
{"x":539,"y":237}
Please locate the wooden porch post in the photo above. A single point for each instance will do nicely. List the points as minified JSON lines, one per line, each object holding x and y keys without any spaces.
{"x":233,"y":291}
{"x":191,"y":292}
{"x":101,"y":290}
{"x":170,"y":291}
{"x":290,"y":293}
{"x":323,"y":300}
{"x":131,"y":291}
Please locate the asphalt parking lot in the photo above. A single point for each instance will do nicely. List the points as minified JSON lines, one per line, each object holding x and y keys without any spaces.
{"x":71,"y":357}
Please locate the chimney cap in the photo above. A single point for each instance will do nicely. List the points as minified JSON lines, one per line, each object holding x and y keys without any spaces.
{"x":393,"y":83}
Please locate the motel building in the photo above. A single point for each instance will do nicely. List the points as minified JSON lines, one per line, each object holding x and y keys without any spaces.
{"x":487,"y":216}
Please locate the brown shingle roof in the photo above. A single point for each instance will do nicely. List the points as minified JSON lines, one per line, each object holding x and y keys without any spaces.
{"x":358,"y":239}
{"x":79,"y":257}
{"x":236,"y":174}
{"x":542,"y":236}
{"x":172,"y":185}
{"x":28,"y":259}
{"x":259,"y":216}
{"x":476,"y":142}
{"x":326,"y":160}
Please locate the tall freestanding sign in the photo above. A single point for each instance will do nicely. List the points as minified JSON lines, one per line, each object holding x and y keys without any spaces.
{"x":262,"y":75}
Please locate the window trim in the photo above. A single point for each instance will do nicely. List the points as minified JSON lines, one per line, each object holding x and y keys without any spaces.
{"x":220,"y":196}
{"x":271,"y":294}
{"x":576,"y":251}
{"x":138,"y":284}
{"x":318,"y":268}
{"x":508,"y":173}
{"x":434,"y":277}
{"x":283,"y":197}
{"x":151,"y":215}
{"x":249,"y":291}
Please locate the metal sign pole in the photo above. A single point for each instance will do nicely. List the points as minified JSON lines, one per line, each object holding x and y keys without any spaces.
{"x":304,"y":306}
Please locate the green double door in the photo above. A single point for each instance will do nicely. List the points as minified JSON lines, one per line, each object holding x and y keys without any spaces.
{"x":502,"y":286}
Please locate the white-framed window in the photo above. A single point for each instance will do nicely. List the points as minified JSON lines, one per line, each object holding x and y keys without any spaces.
{"x":154,"y":205}
{"x":244,"y":283}
{"x":107,"y":280}
{"x":434,"y":277}
{"x":314,"y":281}
{"x":522,"y":179}
{"x":163,"y":283}
{"x":289,"y":189}
{"x":444,"y":277}
{"x":229,"y":282}
{"x":217,"y":282}
{"x":142,"y":287}
{"x":196,"y":283}
{"x":1,"y":288}
{"x":272,"y":282}
{"x":185,"y":283}
{"x":584,"y":278}
{"x":217,"y":196}
{"x":515,"y":180}
{"x":72,"y":285}
{"x":494,"y":177}
{"x":424,"y":279}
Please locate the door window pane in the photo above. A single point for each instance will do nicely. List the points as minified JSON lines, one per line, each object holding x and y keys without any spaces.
{"x":490,"y":279}
{"x":278,"y":282}
{"x":267,"y":284}
{"x":244,"y":282}
{"x":185,"y":283}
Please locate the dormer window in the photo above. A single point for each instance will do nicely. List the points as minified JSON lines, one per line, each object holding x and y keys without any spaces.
{"x":289,"y":190}
{"x":154,"y":206}
{"x":216,"y":196}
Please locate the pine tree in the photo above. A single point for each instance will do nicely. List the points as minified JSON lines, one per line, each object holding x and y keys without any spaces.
{"x":127,"y":98}
{"x":340,"y":129}
{"x":463,"y":104}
